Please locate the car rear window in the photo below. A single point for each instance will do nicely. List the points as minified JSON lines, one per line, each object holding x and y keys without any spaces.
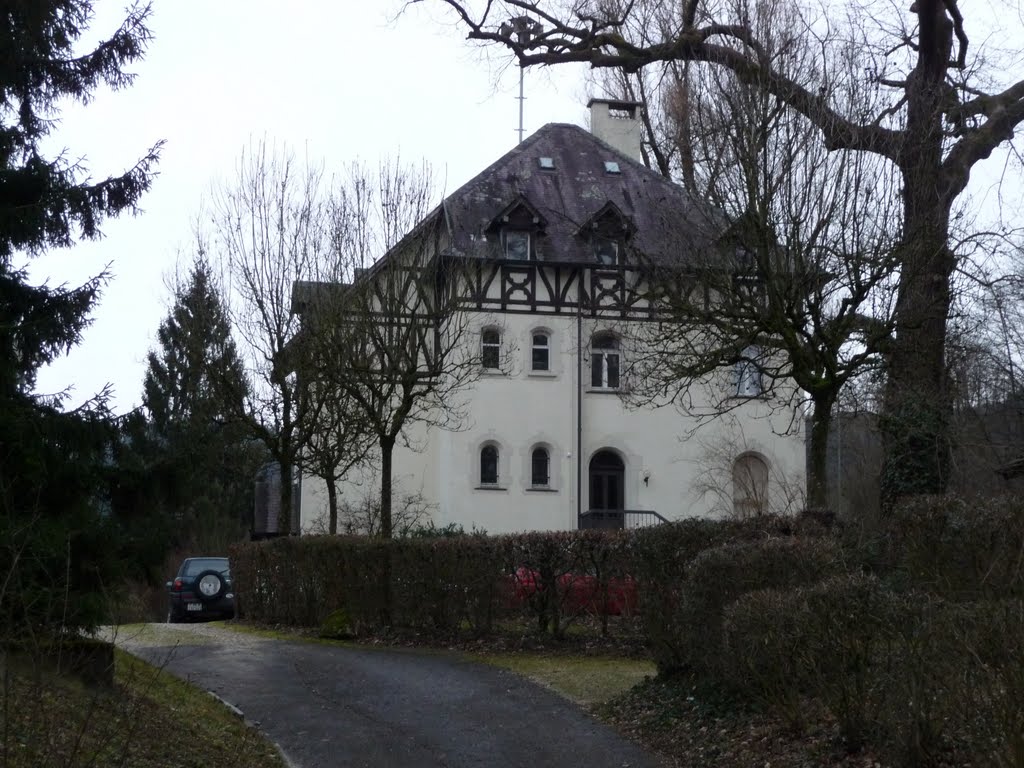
{"x":198,"y":565}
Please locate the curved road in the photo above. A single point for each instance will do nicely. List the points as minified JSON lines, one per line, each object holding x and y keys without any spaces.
{"x":328,"y":706}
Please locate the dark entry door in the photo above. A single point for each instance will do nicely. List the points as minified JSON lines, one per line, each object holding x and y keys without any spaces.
{"x":607,"y":475}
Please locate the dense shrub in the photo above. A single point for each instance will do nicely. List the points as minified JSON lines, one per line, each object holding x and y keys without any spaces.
{"x":761,"y":663}
{"x":885,"y":663}
{"x":686,"y":631}
{"x":990,"y":686}
{"x":961,"y":549}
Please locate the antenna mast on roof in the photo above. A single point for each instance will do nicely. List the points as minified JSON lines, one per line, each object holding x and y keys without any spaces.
{"x":525,"y":29}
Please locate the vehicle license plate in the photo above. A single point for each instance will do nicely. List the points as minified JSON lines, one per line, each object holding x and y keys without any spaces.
{"x":194,"y":606}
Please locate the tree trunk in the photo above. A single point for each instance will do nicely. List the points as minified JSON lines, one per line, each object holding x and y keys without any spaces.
{"x":284,"y":519}
{"x":817,"y":481}
{"x":387,"y":447}
{"x":916,"y":422}
{"x":332,"y":506}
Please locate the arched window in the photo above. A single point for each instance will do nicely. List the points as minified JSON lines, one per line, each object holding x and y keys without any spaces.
{"x":750,"y":486}
{"x":541,"y":357}
{"x":489,"y":465}
{"x":540,"y":468}
{"x":490,"y":348}
{"x":748,"y":373}
{"x":604,"y":361}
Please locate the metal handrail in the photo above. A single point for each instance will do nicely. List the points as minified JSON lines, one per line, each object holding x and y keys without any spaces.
{"x":618,"y":519}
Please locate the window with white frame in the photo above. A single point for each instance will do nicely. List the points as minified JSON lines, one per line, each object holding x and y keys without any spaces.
{"x":540,"y":359}
{"x":748,"y":373}
{"x":606,"y":250}
{"x":489,"y":465}
{"x":490,"y":348}
{"x":516,"y":244}
{"x":604,"y":361}
{"x":540,"y":468}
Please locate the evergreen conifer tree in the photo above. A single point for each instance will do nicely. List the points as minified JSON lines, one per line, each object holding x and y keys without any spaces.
{"x":194,"y":387}
{"x":60,"y":547}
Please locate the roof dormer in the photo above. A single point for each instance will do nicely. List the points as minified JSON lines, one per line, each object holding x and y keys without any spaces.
{"x":608,"y":231}
{"x":517,"y":229}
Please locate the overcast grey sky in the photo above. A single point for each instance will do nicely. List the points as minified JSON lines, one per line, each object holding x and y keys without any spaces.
{"x":337,"y":80}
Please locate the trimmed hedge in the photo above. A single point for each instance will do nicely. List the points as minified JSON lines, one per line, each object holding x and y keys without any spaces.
{"x":683,"y":587}
{"x":439,"y":584}
{"x":904,"y":672}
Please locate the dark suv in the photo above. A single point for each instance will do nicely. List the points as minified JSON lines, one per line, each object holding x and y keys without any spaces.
{"x":202,"y":590}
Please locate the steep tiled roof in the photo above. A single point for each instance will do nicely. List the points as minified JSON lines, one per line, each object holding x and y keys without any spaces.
{"x":668,"y":223}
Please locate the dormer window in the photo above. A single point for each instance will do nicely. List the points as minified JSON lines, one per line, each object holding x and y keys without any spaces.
{"x":607,"y":233}
{"x":606,"y":250}
{"x":516,"y":244}
{"x":515,"y":231}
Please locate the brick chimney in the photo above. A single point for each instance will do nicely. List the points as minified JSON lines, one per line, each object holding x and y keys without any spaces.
{"x":618,"y":123}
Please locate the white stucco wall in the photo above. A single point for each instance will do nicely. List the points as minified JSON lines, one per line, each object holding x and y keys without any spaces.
{"x":518,"y":410}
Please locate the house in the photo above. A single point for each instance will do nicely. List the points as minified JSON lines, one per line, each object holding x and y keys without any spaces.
{"x":544,"y":245}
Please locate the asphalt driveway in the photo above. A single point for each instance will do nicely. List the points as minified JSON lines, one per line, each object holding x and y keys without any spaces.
{"x":327,"y":706}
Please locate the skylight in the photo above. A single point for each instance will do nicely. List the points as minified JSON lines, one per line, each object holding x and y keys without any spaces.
{"x":610,"y":166}
{"x":547,"y":163}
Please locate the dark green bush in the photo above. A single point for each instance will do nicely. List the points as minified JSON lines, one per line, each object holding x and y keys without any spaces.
{"x":958,"y":548}
{"x":990,"y":683}
{"x":659,"y":556}
{"x":884,"y":663}
{"x":686,"y":633}
{"x":761,"y":662}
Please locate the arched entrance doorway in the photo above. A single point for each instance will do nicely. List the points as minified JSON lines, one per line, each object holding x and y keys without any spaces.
{"x":607,"y":481}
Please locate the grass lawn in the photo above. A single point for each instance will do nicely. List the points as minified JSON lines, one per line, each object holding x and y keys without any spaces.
{"x":586,"y":680}
{"x":148,"y":719}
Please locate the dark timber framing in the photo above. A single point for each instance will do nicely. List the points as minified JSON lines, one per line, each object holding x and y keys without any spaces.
{"x":550,"y":288}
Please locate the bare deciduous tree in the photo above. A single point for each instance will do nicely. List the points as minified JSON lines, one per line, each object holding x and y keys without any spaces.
{"x":933,"y":114}
{"x":269,"y":228}
{"x":799,"y":290}
{"x":399,"y":350}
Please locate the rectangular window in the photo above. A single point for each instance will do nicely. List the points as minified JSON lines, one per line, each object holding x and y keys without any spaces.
{"x":540,"y":352}
{"x":539,"y":468}
{"x":604,"y":370}
{"x":606,"y":250}
{"x":490,"y":351}
{"x":748,"y":374}
{"x":489,"y":465}
{"x":517,"y":245}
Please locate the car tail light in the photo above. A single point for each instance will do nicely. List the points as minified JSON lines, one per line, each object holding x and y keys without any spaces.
{"x":177,"y":585}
